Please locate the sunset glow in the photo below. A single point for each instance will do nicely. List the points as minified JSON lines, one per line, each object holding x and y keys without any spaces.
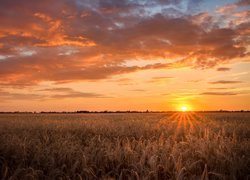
{"x":124,"y":55}
{"x":184,"y":108}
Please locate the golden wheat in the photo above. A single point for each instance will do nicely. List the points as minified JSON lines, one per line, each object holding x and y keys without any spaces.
{"x":125,"y":146}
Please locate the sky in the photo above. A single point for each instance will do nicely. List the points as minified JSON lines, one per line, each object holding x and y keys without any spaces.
{"x":67,"y":55}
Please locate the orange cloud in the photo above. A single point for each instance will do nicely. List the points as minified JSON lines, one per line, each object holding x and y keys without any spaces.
{"x":77,"y":41}
{"x":227,"y":9}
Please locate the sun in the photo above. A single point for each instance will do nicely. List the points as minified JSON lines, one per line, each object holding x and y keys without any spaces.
{"x":184,"y":108}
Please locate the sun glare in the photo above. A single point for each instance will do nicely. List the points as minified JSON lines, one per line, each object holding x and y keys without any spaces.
{"x":184,"y":108}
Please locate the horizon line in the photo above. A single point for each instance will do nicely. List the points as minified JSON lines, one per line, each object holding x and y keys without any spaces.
{"x":109,"y":111}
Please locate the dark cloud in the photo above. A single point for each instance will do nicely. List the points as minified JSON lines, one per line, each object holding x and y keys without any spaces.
{"x":223,"y":69}
{"x":226,"y":82}
{"x":219,"y":93}
{"x":24,"y":71}
{"x":221,"y":88}
{"x":243,"y":2}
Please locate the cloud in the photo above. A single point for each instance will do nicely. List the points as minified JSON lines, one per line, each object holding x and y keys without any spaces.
{"x":82,"y":40}
{"x":64,"y":90}
{"x":223,"y":69}
{"x":61,"y":93}
{"x":219,"y":93}
{"x":226,"y":82}
{"x":221,"y":88}
{"x":4,"y":95}
{"x":31,"y":70}
{"x":120,"y":80}
{"x":160,"y":79}
{"x":243,"y":2}
{"x":227,"y":9}
{"x":138,"y":90}
{"x":48,"y":94}
{"x":77,"y":95}
{"x":195,"y":81}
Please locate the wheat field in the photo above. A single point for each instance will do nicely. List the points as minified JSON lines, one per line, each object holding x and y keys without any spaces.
{"x":125,"y":146}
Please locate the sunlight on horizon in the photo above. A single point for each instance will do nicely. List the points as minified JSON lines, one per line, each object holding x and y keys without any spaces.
{"x":184,"y":108}
{"x":182,"y":122}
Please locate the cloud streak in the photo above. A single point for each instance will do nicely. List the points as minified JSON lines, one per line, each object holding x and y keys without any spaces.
{"x":49,"y":94}
{"x":219,"y":93}
{"x":4,"y":95}
{"x":226,"y":82}
{"x":223,"y":69}
{"x":62,"y":93}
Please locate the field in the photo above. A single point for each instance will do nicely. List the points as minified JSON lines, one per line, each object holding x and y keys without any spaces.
{"x":125,"y":146}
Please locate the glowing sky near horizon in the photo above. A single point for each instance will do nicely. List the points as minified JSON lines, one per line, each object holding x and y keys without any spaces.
{"x":124,"y":55}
